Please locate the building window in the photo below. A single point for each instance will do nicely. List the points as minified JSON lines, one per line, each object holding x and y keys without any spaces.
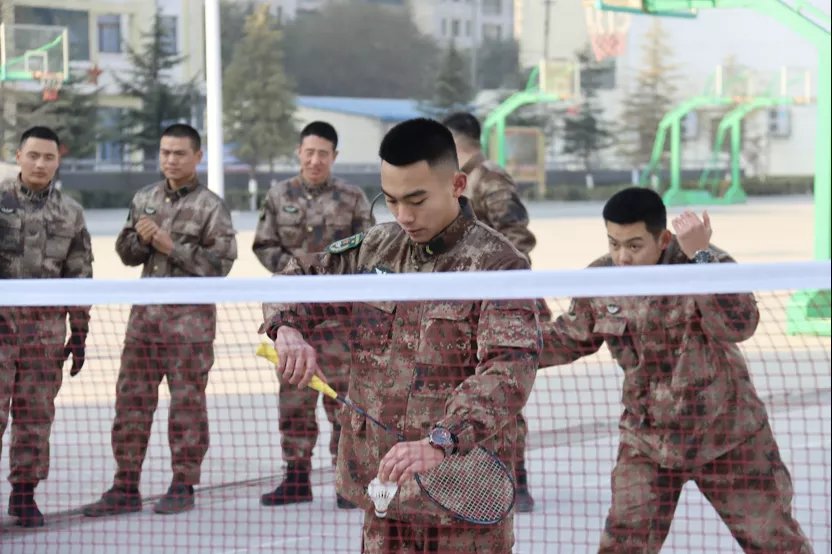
{"x":168,"y":24}
{"x":444,"y":27}
{"x":110,"y":150}
{"x":492,"y":7}
{"x":468,"y":28}
{"x":599,"y":75}
{"x":491,"y":31}
{"x":455,"y":27}
{"x":109,"y":34}
{"x":77,"y":23}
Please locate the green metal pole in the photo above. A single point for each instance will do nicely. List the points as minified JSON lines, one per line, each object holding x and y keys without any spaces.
{"x":676,"y":154}
{"x":736,"y":148}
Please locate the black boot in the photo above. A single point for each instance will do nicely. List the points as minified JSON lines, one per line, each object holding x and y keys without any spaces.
{"x":22,"y":505}
{"x":294,"y":488}
{"x":523,"y":501}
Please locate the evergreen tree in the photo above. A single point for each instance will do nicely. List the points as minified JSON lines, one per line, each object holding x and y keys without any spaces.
{"x":257,"y":94}
{"x":651,"y":99}
{"x":453,"y":84}
{"x":162,"y":101}
{"x":73,"y":116}
{"x":586,"y":133}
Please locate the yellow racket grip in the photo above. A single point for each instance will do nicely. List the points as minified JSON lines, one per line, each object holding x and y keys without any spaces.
{"x":266,"y":350}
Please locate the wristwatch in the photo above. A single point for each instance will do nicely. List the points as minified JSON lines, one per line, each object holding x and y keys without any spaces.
{"x":705,"y":256}
{"x":442,"y":439}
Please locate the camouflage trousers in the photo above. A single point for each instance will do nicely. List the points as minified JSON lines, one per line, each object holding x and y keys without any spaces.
{"x":186,"y":366}
{"x":388,"y":536}
{"x":520,"y":440}
{"x":296,"y":407}
{"x":30,"y":378}
{"x":749,"y":487}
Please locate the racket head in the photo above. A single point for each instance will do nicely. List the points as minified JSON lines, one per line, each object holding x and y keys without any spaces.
{"x":476,"y":487}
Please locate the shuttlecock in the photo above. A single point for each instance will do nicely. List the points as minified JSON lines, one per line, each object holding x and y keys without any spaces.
{"x":381,"y":494}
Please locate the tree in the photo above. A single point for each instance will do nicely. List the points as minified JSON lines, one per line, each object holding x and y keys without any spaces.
{"x":257,"y":94}
{"x":73,"y":116}
{"x":233,"y":16}
{"x":586,"y":133}
{"x":652,"y":97}
{"x":161,"y":101}
{"x":358,"y":49}
{"x":498,"y":64}
{"x":453,"y":85}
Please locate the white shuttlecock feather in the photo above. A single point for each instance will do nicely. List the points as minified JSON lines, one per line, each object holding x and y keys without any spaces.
{"x":381,"y":494}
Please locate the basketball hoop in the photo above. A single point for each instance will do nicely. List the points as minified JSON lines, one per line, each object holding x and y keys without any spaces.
{"x":51,"y":84}
{"x":607,"y":30}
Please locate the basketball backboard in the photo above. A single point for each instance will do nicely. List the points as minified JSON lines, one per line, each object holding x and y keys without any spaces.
{"x":671,"y":8}
{"x":33,"y":53}
{"x":560,"y":78}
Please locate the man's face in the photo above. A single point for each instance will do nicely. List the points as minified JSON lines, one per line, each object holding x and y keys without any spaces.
{"x":423,"y":200}
{"x":38,"y":160}
{"x":632,"y":244}
{"x":178,"y":159}
{"x":316,"y":157}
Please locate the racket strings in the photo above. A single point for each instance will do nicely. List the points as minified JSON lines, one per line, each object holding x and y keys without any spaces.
{"x":475,"y":487}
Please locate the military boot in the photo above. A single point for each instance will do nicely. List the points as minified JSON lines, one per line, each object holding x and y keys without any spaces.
{"x":22,"y":505}
{"x":117,"y":500}
{"x":178,"y":499}
{"x":523,"y":501}
{"x":295,"y":487}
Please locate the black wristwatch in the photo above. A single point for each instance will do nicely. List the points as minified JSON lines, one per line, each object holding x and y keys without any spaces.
{"x":705,"y":256}
{"x":442,"y":439}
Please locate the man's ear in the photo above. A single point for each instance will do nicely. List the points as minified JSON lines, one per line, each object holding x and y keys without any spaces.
{"x":460,"y":184}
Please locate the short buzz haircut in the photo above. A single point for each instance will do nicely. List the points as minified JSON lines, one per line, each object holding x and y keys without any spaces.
{"x":320,"y":129}
{"x":40,"y":132}
{"x":464,"y":124}
{"x":637,"y":204}
{"x":183,"y":130}
{"x":417,"y":140}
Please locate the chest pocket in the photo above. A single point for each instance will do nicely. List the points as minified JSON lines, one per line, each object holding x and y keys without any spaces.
{"x":618,"y":338}
{"x":372,"y":330}
{"x":339,"y":225}
{"x":11,"y":239}
{"x":291,"y":225}
{"x":186,"y":232}
{"x":58,"y":240}
{"x":447,"y":354}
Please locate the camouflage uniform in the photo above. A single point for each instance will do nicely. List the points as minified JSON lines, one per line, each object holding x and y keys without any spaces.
{"x":496,"y":203}
{"x":467,"y":365}
{"x":298,"y":219}
{"x":173,"y":341}
{"x":690,"y":412}
{"x":42,"y":236}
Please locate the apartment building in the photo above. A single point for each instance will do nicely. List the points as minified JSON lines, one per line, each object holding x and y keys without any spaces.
{"x":102,"y":31}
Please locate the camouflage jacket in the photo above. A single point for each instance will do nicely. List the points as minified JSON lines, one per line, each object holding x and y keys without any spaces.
{"x":466,"y":365}
{"x":296,"y":219}
{"x":687,"y":393}
{"x":496,"y":203}
{"x":204,"y":246}
{"x":42,"y":236}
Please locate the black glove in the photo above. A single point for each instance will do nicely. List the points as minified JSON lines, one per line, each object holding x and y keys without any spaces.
{"x":76,"y":345}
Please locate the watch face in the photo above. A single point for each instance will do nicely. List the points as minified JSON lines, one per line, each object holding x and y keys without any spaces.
{"x":441,"y":437}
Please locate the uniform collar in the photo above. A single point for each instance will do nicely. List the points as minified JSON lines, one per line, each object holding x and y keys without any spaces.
{"x":673,"y":254}
{"x":32,"y":196}
{"x":476,"y":160}
{"x":315,"y":190}
{"x":450,"y":235}
{"x":182,"y":191}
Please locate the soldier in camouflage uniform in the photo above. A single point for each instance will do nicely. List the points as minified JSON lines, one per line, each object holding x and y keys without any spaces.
{"x":301,"y":215}
{"x":690,"y":409}
{"x":175,"y":228}
{"x":424,"y":368}
{"x":42,"y":236}
{"x":496,"y":203}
